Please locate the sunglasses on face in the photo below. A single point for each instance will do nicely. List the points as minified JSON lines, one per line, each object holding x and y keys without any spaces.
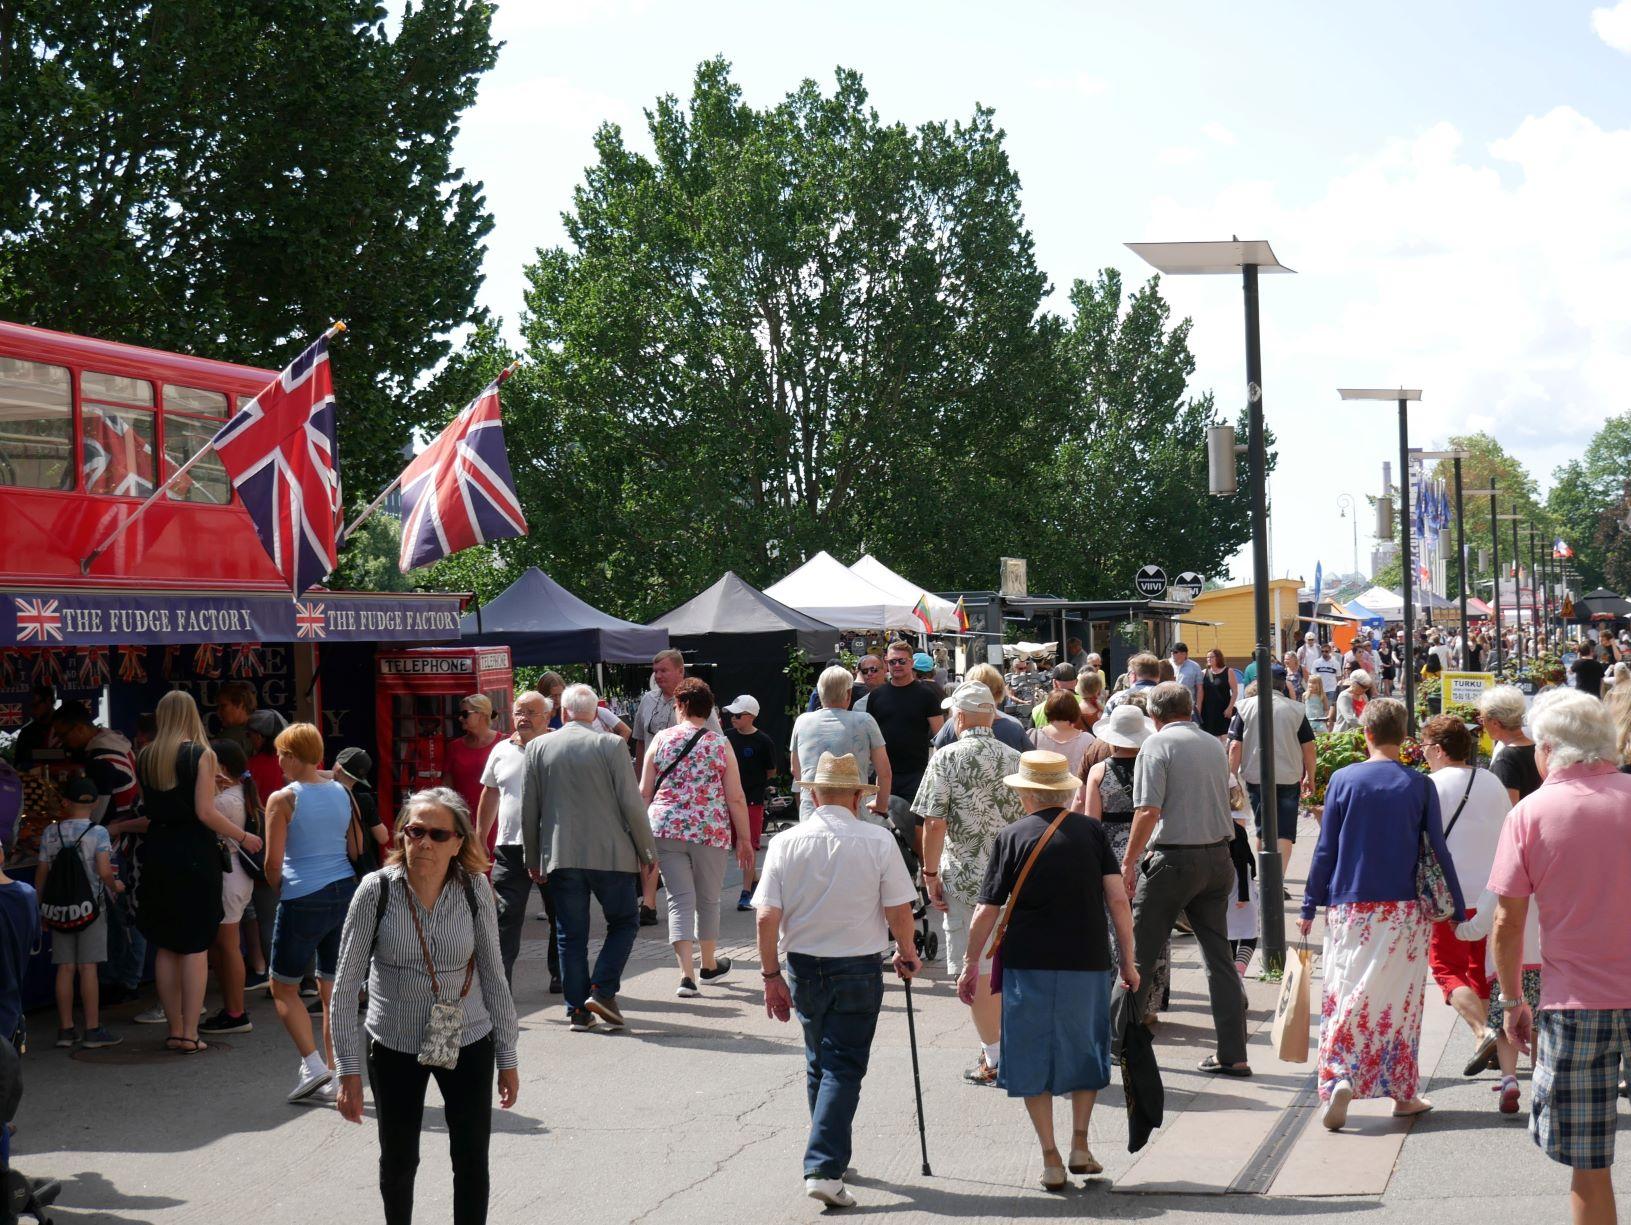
{"x":420,"y":832}
{"x":900,"y":663}
{"x":868,"y":671}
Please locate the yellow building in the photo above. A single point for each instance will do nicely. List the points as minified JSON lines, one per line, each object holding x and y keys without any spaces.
{"x":1236,"y":632}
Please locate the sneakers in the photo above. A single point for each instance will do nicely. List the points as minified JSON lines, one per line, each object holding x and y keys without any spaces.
{"x":687,"y":989}
{"x":308,"y":1081}
{"x":309,"y":991}
{"x":67,"y":1037}
{"x":605,"y":1007}
{"x":745,"y":902}
{"x":555,"y":987}
{"x":580,"y":1020}
{"x":648,"y":915}
{"x":722,"y":967}
{"x":1336,"y":1110}
{"x":257,"y":982}
{"x":324,"y":1095}
{"x":153,"y":1016}
{"x":96,"y":1039}
{"x":1509,"y":1095}
{"x":982,"y":1073}
{"x":830,"y":1191}
{"x":224,"y":1022}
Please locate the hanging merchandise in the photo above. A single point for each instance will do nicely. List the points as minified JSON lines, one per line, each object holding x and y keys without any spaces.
{"x":47,"y":668}
{"x":246,"y":660}
{"x":171,"y":654}
{"x":93,"y":667}
{"x":11,"y":714}
{"x":207,"y":660}
{"x":11,"y":675}
{"x":133,"y":665}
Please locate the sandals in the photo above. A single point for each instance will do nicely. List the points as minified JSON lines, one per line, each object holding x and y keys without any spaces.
{"x":1410,"y":1109}
{"x":1211,"y":1064}
{"x":1082,"y":1160}
{"x":1053,"y":1174}
{"x":184,"y":1046}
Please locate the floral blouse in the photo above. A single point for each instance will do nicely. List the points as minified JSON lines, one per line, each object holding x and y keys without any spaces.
{"x":690,"y":803}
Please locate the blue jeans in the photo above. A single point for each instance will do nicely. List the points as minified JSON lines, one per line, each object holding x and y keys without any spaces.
{"x":837,"y":1000}
{"x":1286,"y":799}
{"x":127,"y":947}
{"x":619,"y":896}
{"x":310,"y":925}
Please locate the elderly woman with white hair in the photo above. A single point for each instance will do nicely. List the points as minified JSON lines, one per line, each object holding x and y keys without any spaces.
{"x":1502,"y":711}
{"x":1350,"y":707}
{"x":1051,"y":878}
{"x":840,"y":731}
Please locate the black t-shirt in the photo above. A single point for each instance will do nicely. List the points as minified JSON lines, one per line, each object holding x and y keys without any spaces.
{"x":1059,"y":922}
{"x":1588,"y":676}
{"x":755,"y":758}
{"x":1515,"y":766}
{"x":903,"y":713}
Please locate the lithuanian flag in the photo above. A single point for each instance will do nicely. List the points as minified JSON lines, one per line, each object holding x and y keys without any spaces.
{"x":920,"y":610}
{"x":961,"y":614}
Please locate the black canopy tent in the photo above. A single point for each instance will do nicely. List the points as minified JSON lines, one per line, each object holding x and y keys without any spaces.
{"x":744,"y":637}
{"x":1601,"y":605}
{"x":544,"y":623}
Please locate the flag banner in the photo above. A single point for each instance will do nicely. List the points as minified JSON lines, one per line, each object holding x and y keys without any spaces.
{"x":961,"y":613}
{"x":458,"y":492}
{"x":282,"y":457}
{"x":920,"y":610}
{"x":1561,"y":550}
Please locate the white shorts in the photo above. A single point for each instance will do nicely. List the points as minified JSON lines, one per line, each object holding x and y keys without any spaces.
{"x":237,"y":887}
{"x":954,"y":923}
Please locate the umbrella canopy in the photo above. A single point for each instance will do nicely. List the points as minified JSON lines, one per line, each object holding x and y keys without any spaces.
{"x":1380,"y":600}
{"x":1364,"y":615}
{"x":829,"y":591}
{"x":1601,"y":605}
{"x":733,"y":607}
{"x":544,"y":623}
{"x":942,"y":613}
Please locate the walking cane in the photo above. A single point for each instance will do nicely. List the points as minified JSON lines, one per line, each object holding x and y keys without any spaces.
{"x":917,"y":1080}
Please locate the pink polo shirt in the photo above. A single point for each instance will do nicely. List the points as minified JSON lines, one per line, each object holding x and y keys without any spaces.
{"x":1568,"y":847}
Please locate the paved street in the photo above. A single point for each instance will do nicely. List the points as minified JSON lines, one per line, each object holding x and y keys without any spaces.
{"x":697,"y":1114}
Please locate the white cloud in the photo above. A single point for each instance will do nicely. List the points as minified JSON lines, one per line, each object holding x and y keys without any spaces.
{"x":1083,"y":83}
{"x":1177,"y":155}
{"x":1221,"y":135}
{"x":1613,"y":25}
{"x":1491,"y":278}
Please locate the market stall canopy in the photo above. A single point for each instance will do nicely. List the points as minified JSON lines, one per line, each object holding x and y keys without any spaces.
{"x":1380,"y":600}
{"x":732,"y":606}
{"x":1477,"y":608}
{"x":1365,"y":616}
{"x":544,"y":623}
{"x":829,"y":591}
{"x":942,"y":613}
{"x":1601,"y":605}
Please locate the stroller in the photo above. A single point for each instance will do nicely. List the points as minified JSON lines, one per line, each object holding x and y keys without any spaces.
{"x":902,"y":824}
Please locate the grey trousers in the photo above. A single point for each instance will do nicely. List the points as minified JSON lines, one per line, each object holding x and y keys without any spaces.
{"x":1200,"y":882}
{"x":694,"y":875}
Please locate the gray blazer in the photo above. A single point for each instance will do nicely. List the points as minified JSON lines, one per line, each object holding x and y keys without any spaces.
{"x":580,"y":806}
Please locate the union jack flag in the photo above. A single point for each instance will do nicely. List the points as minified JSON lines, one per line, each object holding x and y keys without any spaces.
{"x":281,"y":453}
{"x":118,"y":458}
{"x":38,"y":620}
{"x":458,"y":491}
{"x":11,"y":714}
{"x":309,"y":621}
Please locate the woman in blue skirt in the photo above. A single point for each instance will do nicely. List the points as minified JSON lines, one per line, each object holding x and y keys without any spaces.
{"x":1047,"y":885}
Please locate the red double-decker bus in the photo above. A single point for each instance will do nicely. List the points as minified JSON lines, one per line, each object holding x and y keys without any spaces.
{"x":88,"y":429}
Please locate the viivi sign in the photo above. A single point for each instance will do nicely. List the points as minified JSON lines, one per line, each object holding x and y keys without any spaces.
{"x":1151,"y":582}
{"x":1189,"y":585}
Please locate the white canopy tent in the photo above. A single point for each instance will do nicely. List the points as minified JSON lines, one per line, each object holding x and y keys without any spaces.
{"x":1383,"y":602}
{"x":828,"y":590}
{"x":942,"y":613}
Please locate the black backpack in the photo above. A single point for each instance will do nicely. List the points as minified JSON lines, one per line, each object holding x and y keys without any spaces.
{"x":70,"y":902}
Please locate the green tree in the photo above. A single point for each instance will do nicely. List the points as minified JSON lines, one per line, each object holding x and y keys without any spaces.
{"x":791,"y":328}
{"x":1516,"y":494}
{"x":1585,"y":501}
{"x":224,"y":179}
{"x":1126,"y":485}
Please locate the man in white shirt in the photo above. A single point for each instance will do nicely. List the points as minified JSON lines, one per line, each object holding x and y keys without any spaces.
{"x":1309,"y":653}
{"x":501,"y":787}
{"x":1328,"y":668}
{"x":833,"y":892}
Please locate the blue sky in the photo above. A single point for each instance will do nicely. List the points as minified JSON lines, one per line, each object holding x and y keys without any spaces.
{"x":1450,"y":180}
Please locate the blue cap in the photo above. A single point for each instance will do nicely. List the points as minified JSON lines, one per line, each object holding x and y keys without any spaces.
{"x":1277,"y":671}
{"x":922,"y":662}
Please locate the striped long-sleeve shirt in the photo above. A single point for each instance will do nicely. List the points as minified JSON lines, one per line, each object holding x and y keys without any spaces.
{"x":393,"y":965}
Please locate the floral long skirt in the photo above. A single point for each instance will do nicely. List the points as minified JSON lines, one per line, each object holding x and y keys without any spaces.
{"x":1371,"y":1006}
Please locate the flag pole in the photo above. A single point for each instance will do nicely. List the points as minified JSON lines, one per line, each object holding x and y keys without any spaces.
{"x":89,"y":559}
{"x":386,"y":492}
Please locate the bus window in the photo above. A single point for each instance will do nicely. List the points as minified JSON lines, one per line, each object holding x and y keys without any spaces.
{"x":116,"y":415}
{"x":184,"y":436}
{"x":36,"y":425}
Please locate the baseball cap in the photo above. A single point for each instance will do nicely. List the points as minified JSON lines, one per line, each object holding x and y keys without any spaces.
{"x":970,"y":697}
{"x":266,"y":723}
{"x":1278,"y":672}
{"x":746,"y":704}
{"x":80,"y":790}
{"x":922,"y":662}
{"x":355,"y":762}
{"x":1310,"y":636}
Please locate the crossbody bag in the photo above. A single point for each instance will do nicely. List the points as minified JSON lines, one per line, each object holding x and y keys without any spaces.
{"x":1432,"y":886}
{"x":439,"y":1048}
{"x":684,"y":753}
{"x":1008,"y":910}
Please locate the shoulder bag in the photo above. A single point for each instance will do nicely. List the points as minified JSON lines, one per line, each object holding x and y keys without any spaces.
{"x":1008,"y":910}
{"x":684,"y":753}
{"x":1432,"y":886}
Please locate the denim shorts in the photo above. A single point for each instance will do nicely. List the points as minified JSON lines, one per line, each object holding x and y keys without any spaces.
{"x":310,"y":925}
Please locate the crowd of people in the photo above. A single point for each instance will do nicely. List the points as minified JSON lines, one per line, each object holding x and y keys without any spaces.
{"x":1063,"y":826}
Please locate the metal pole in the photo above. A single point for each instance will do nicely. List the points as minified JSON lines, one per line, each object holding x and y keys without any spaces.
{"x":1409,"y":567}
{"x":1461,"y":564}
{"x":1517,"y":591}
{"x":1496,"y":653}
{"x":1534,"y":611}
{"x":1270,"y":871}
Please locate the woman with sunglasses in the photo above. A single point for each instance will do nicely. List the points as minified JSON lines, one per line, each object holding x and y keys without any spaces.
{"x":467,"y":755}
{"x":422,"y":933}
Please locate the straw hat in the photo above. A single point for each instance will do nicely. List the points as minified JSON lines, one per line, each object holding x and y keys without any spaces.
{"x":839,"y":773}
{"x":1126,"y":727}
{"x":1043,"y":771}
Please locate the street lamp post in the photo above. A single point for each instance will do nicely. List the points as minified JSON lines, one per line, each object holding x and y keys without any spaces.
{"x":1248,"y":258}
{"x":1460,"y":536}
{"x":1495,"y":572}
{"x":1345,"y":504}
{"x":1517,"y":588}
{"x":1404,"y":397}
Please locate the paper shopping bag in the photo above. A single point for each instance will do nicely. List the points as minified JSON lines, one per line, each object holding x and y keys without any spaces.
{"x":1291,"y":1012}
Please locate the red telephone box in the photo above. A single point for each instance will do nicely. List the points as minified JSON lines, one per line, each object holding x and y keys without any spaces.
{"x":417,"y":696}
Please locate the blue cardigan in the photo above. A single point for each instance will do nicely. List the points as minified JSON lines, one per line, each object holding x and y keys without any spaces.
{"x":1375,"y":812}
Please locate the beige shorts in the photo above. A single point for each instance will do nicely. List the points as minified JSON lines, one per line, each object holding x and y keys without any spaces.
{"x":237,"y":887}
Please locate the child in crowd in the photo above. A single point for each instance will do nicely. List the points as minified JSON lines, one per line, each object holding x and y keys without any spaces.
{"x":1477,"y":929}
{"x":1242,"y":918}
{"x":1315,"y":704}
{"x":77,"y":954}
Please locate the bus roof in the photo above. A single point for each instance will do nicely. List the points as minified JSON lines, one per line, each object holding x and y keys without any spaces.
{"x":113,"y":357}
